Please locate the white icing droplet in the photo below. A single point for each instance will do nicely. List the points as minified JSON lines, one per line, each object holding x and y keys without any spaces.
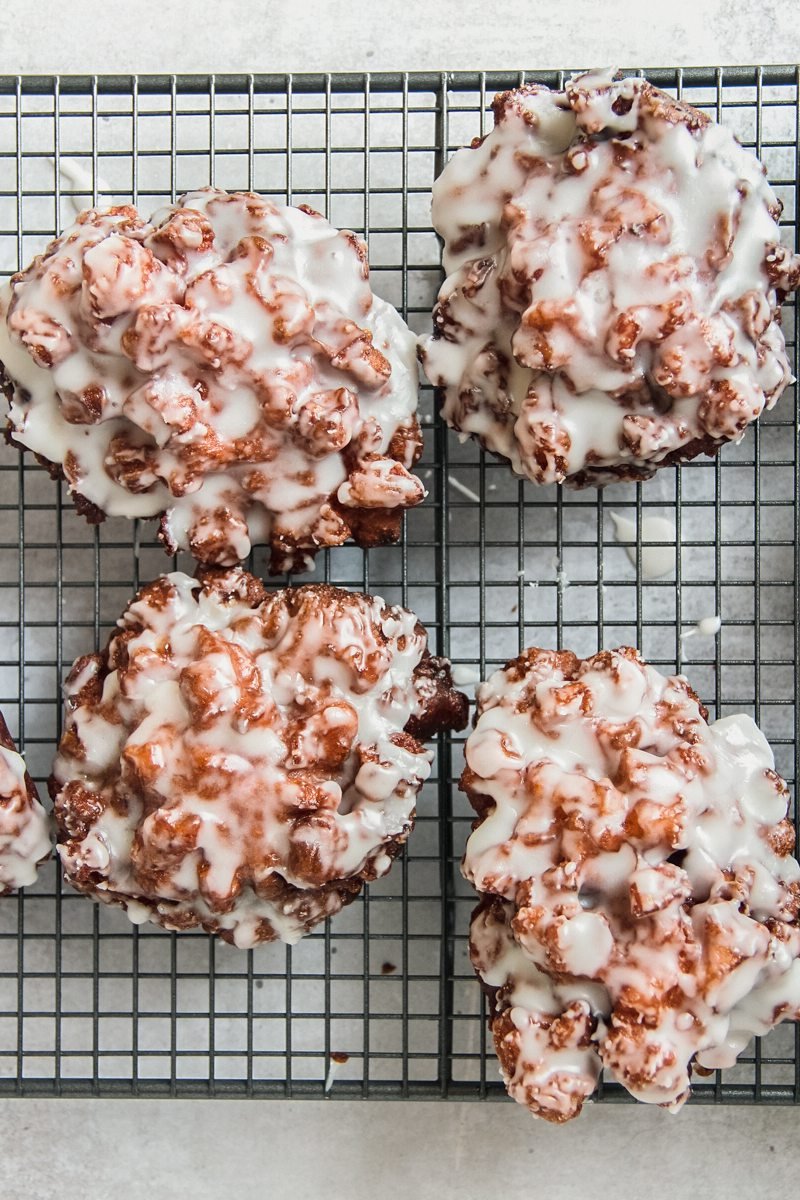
{"x":465,"y":674}
{"x":461,"y":487}
{"x":705,"y":627}
{"x":333,"y":1070}
{"x":24,"y":825}
{"x":83,"y":180}
{"x":561,"y":576}
{"x":709,"y":626}
{"x":657,"y":561}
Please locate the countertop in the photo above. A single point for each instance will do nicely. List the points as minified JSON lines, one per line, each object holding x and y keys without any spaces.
{"x":176,"y":1149}
{"x":411,"y":35}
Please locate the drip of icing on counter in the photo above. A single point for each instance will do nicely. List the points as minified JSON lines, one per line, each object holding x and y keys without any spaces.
{"x":462,"y":487}
{"x":562,"y":578}
{"x":657,"y":561}
{"x":705,"y":627}
{"x":82,"y":180}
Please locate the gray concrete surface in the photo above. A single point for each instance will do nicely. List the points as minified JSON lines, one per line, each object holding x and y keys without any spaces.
{"x":247,"y":35}
{"x":296,"y":1150}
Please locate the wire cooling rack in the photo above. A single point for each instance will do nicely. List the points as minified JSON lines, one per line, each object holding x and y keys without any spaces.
{"x":381,"y":1002}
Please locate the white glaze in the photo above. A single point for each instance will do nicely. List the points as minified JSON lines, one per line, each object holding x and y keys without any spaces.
{"x":215,"y":364}
{"x":610,"y":295}
{"x":222,"y":714}
{"x":465,"y":675}
{"x":462,"y":487}
{"x":554,"y":1078}
{"x":562,"y":578}
{"x":597,"y":774}
{"x":656,"y":561}
{"x":705,"y":627}
{"x":81,"y":179}
{"x":330,"y":1078}
{"x":24,"y":825}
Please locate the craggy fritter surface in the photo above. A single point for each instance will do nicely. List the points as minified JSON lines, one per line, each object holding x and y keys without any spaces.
{"x":614,"y":281}
{"x":244,"y":760}
{"x":640,"y":897}
{"x":224,"y":366}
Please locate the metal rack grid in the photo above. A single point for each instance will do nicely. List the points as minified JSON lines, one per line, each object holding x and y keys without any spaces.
{"x":381,"y":1002}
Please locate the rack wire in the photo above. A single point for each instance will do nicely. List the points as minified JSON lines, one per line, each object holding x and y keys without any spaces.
{"x":381,"y":1002}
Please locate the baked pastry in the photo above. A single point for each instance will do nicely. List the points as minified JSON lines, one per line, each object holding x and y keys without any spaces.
{"x":24,"y":824}
{"x":224,"y":365}
{"x":244,"y":760}
{"x":640,"y":900}
{"x":614,"y":281}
